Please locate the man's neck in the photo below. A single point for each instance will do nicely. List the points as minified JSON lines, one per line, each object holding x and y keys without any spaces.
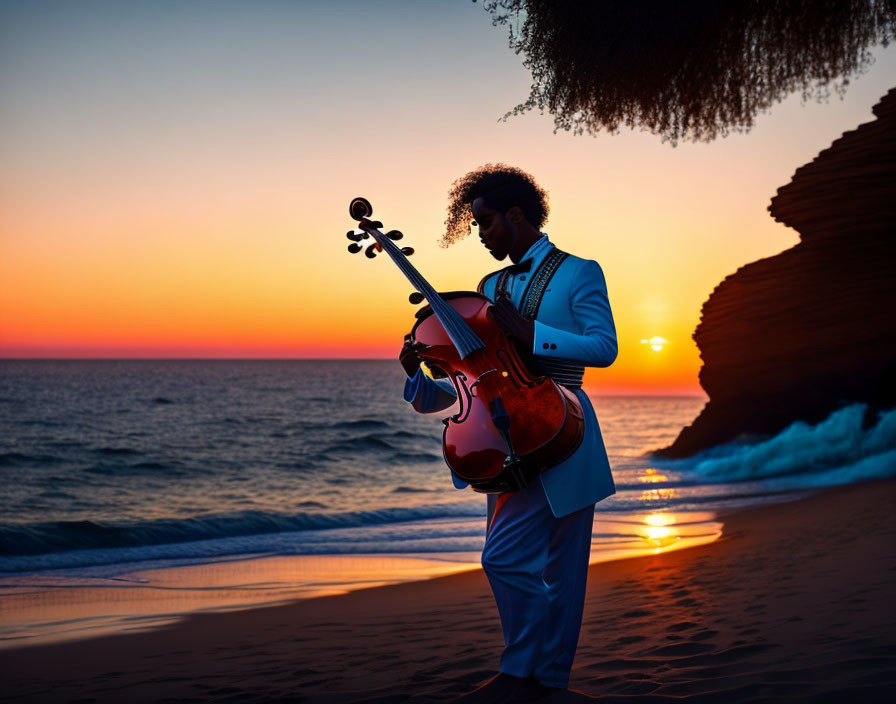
{"x":526,"y":236}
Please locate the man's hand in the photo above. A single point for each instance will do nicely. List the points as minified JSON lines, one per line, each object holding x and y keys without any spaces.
{"x":409,"y":358}
{"x":505,"y":314}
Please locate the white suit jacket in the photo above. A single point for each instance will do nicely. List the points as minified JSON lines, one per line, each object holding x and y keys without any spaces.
{"x":574,"y":322}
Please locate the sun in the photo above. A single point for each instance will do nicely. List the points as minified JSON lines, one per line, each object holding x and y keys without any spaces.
{"x":656,"y":343}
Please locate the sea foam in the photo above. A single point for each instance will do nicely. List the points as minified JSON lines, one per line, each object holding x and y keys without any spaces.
{"x":836,"y":451}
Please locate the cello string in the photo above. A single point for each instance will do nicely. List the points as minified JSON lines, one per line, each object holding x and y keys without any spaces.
{"x":463,"y":337}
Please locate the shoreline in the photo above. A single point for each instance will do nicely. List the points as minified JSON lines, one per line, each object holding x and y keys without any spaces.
{"x":66,"y":605}
{"x":53,"y":609}
{"x":792,"y":603}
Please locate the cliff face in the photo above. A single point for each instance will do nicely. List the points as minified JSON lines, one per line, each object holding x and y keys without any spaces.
{"x":798,"y":335}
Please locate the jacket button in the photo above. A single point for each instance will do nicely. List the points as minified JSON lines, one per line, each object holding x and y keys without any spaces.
{"x":522,"y":278}
{"x":553,"y":346}
{"x":545,"y":345}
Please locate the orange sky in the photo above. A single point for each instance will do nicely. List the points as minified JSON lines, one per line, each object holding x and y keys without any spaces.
{"x":176,"y":178}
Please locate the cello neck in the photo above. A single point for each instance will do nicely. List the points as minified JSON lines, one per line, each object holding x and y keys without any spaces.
{"x":462,"y":336}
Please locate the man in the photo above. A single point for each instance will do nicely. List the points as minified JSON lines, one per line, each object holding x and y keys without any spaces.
{"x":538,"y":538}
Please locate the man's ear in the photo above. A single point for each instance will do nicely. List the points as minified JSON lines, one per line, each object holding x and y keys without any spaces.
{"x":515,"y":215}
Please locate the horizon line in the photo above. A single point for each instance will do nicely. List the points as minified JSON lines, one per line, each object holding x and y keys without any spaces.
{"x":637,"y":393}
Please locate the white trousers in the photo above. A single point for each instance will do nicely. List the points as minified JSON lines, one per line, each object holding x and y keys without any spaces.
{"x":537,"y":566}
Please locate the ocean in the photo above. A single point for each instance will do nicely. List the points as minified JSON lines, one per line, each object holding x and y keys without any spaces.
{"x":112,"y":467}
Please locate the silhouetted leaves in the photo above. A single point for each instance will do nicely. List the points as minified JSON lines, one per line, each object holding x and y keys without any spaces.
{"x":686,"y":70}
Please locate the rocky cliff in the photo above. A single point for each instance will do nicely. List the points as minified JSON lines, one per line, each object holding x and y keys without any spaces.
{"x":797,"y":335}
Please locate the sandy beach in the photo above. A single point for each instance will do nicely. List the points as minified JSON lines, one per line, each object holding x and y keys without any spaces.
{"x":793,"y":603}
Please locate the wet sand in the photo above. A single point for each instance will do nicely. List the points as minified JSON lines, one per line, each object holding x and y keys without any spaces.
{"x":794,"y":603}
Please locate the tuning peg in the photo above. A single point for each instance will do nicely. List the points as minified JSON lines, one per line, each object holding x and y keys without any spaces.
{"x":371,"y":250}
{"x":407,"y":251}
{"x":416,"y":298}
{"x":374,"y":224}
{"x":360,"y":208}
{"x":353,"y":237}
{"x":354,"y":248}
{"x":394,"y":235}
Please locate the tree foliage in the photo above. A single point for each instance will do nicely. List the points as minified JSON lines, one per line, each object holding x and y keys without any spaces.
{"x":692,"y":69}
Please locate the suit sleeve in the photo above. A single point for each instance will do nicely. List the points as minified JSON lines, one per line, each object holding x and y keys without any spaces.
{"x":596,"y":346}
{"x":429,"y":395}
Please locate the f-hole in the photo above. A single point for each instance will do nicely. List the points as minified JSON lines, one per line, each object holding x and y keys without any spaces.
{"x":463,"y":397}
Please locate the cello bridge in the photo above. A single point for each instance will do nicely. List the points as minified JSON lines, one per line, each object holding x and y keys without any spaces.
{"x":479,"y":378}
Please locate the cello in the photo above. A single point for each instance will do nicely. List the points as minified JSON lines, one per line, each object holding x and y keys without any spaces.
{"x":511,"y":424}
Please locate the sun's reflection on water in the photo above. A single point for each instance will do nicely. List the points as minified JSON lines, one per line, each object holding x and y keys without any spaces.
{"x":651,"y":533}
{"x":657,"y":494}
{"x":652,"y":476}
{"x":658,"y":530}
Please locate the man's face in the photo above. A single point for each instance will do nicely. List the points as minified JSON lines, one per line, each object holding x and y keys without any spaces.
{"x":494,"y":230}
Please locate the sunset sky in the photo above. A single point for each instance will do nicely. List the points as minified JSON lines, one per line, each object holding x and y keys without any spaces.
{"x":175,"y":177}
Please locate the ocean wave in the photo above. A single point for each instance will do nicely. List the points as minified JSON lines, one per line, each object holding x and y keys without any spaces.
{"x":838,"y":450}
{"x":56,"y":536}
{"x":16,"y":459}
{"x":155,"y":469}
{"x":360,"y":424}
{"x":108,"y":562}
{"x":57,"y":495}
{"x":416,"y":457}
{"x":355,"y":425}
{"x":117,"y":451}
{"x":150,"y":465}
{"x":360,"y":444}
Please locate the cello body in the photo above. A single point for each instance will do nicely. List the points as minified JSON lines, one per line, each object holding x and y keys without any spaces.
{"x":511,"y":425}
